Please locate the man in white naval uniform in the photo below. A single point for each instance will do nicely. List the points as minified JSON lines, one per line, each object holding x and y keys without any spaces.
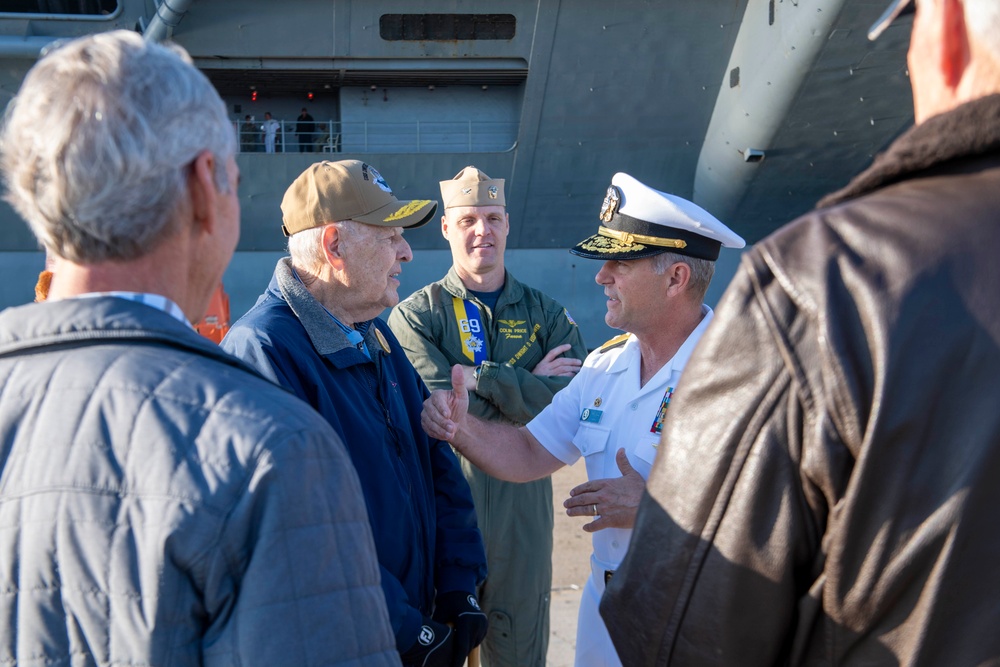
{"x":659,"y":255}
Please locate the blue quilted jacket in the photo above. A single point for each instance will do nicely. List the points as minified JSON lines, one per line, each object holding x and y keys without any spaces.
{"x":418,"y":501}
{"x":161,"y":504}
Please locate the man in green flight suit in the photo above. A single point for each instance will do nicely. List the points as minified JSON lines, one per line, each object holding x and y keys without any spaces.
{"x":519,"y":347}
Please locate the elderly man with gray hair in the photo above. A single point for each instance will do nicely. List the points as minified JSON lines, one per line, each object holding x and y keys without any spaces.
{"x":161,"y":503}
{"x":316,"y":332}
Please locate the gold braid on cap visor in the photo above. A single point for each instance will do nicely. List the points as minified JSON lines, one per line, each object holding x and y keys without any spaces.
{"x":630,"y":239}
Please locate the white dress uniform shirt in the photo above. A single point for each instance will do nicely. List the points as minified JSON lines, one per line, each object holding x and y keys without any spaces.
{"x":602,"y":410}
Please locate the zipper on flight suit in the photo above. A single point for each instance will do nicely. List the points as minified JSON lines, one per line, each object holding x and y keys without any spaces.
{"x":484,"y":518}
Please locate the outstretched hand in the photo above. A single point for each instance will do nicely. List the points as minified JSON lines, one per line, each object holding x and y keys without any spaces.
{"x":616,"y":499}
{"x":555,"y":365}
{"x":445,"y":410}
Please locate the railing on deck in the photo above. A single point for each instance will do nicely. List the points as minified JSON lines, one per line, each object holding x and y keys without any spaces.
{"x":466,"y":136}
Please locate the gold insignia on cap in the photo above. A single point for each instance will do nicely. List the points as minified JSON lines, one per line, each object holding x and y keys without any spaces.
{"x":382,"y":341}
{"x":493,"y":192}
{"x":607,"y":246}
{"x":408,"y":209}
{"x":612,"y":200}
{"x":634,"y":239}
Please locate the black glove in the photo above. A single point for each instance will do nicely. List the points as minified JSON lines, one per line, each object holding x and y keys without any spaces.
{"x":462,"y":610}
{"x":434,"y":647}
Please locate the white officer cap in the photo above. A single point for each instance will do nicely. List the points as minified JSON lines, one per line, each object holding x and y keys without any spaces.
{"x":638,"y":221}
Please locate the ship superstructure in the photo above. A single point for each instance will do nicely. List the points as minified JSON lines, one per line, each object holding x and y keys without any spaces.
{"x":752,"y":108}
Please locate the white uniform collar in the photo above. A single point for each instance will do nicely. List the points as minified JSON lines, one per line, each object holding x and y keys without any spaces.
{"x":630,"y":352}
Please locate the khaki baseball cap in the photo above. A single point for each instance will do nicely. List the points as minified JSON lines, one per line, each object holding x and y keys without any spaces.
{"x":348,"y":190}
{"x":471,"y":187}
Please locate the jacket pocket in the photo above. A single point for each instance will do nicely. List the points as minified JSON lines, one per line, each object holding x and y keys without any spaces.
{"x":646,"y":450}
{"x":644,"y":455}
{"x":592,"y":441}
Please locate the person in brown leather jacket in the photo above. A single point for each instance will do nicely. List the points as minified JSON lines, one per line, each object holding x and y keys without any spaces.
{"x":829,"y":490}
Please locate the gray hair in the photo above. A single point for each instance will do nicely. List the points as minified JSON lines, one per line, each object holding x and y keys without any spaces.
{"x":702,"y":270}
{"x":97,"y":146}
{"x":306,"y":247}
{"x":983,"y":20}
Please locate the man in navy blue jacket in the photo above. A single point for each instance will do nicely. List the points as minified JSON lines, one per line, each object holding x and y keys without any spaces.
{"x":315,"y":331}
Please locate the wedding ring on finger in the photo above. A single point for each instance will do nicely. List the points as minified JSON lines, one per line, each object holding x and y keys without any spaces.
{"x":595,"y":509}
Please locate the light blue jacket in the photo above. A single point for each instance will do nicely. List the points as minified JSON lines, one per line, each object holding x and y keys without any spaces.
{"x":161,"y":504}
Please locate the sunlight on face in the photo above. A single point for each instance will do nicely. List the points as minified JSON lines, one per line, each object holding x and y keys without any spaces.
{"x":478,"y":237}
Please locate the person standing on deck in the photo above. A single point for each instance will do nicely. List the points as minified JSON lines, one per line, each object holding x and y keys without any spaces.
{"x":517,"y":347}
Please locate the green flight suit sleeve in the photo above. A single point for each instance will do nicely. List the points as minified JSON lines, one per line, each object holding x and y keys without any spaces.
{"x":514,"y":390}
{"x":504,"y":392}
{"x":418,"y":337}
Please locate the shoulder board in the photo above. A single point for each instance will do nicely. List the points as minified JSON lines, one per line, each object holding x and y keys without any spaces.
{"x":617,"y":341}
